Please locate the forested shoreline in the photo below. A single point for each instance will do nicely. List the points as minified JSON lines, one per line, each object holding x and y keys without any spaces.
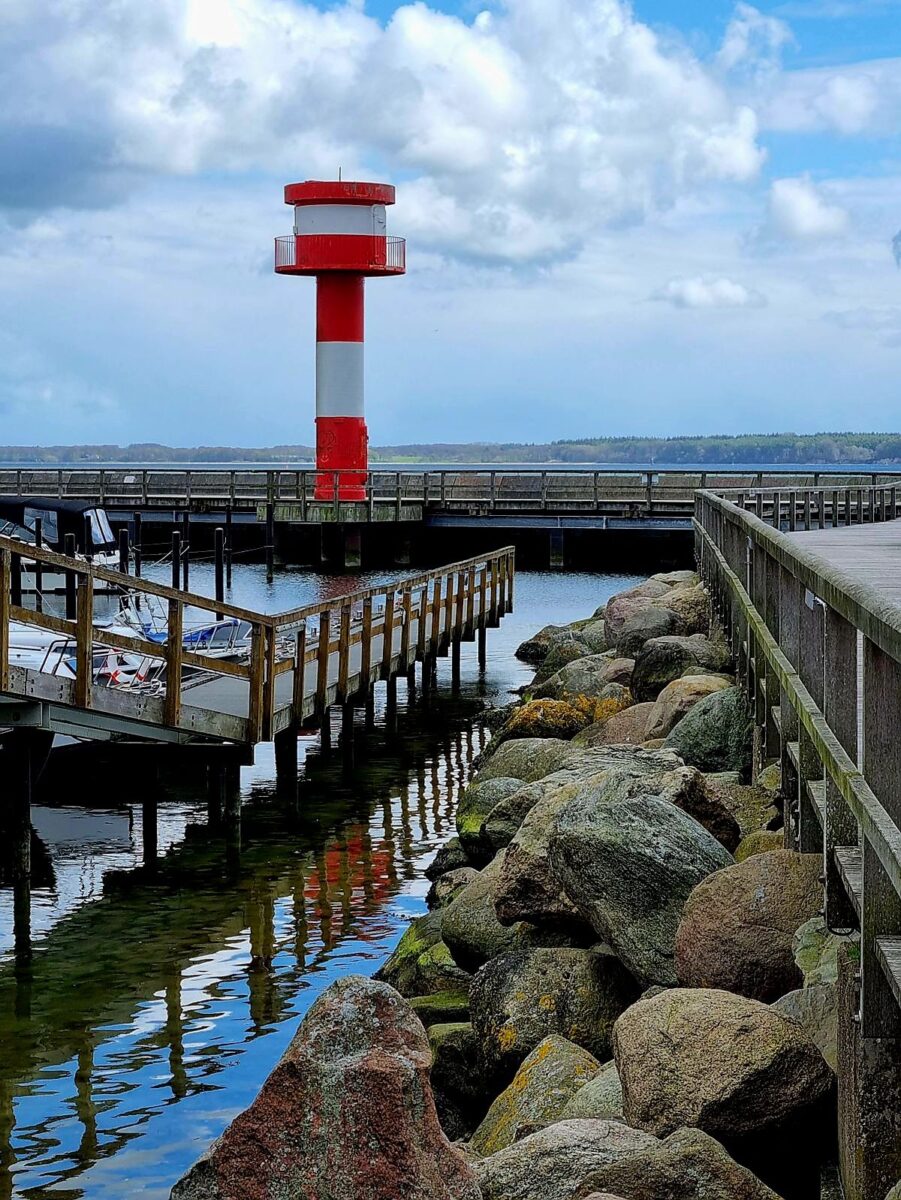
{"x":775,"y":448}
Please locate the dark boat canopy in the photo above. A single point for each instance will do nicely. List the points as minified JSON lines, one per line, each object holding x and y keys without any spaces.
{"x":12,"y":508}
{"x":19,"y":514}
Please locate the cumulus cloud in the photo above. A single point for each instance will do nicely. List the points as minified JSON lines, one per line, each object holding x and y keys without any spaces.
{"x":517,"y":133}
{"x":704,"y":292}
{"x":857,"y":98}
{"x":753,"y":41}
{"x":799,"y":211}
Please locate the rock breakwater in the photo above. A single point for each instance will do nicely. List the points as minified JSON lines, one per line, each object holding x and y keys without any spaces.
{"x":628,"y":989}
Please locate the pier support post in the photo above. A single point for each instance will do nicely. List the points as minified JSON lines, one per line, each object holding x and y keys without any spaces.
{"x":27,"y":750}
{"x":325,"y":732}
{"x":391,"y":704}
{"x":483,"y":647}
{"x":149,"y":830}
{"x":555,"y":550}
{"x":231,"y":775}
{"x":455,"y":664}
{"x":869,"y":1096}
{"x":286,"y":760}
{"x":347,"y":736}
{"x":353,"y":548}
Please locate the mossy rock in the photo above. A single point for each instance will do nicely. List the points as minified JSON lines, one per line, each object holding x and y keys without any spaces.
{"x":421,"y":964}
{"x":442,"y":1008}
{"x":560,"y":655}
{"x":543,"y":719}
{"x":815,"y":951}
{"x":599,"y":1099}
{"x":546,"y":1081}
{"x":475,"y":805}
{"x":449,"y":858}
{"x":527,"y":759}
{"x":457,"y":1078}
{"x":758,"y":842}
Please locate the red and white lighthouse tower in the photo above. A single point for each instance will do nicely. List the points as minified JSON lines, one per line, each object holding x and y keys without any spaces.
{"x":340,"y":236}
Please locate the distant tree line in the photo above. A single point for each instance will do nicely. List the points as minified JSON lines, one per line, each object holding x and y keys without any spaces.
{"x":772,"y":448}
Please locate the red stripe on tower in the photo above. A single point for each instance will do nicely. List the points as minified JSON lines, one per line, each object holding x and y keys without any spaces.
{"x":340,"y":237}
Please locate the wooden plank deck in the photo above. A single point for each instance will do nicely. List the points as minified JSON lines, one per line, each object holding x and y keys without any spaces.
{"x":870,"y":553}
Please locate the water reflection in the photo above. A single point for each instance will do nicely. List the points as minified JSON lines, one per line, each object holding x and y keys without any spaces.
{"x":173,"y":956}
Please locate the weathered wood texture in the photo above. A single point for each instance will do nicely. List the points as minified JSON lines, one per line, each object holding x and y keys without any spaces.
{"x":355,"y":639}
{"x":808,"y":587}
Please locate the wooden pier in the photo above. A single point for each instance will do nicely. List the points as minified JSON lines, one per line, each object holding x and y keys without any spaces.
{"x":807,"y":583}
{"x":300,"y":662}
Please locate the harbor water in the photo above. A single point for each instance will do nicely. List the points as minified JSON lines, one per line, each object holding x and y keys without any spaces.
{"x":160,"y":993}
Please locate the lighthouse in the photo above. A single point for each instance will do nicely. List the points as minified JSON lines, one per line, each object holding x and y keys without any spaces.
{"x":340,"y":236}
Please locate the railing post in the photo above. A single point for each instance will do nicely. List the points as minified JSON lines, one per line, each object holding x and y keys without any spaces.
{"x":366,"y":647}
{"x":4,"y":619}
{"x":269,"y":685}
{"x":323,"y":654}
{"x":388,"y":635}
{"x":422,"y":610}
{"x":84,"y":644}
{"x":811,"y":615}
{"x":344,"y":653}
{"x":300,"y":656}
{"x":405,"y":629}
{"x":174,"y":640}
{"x":71,"y":603}
{"x":435,"y":629}
{"x":841,"y":710}
{"x":789,"y":639}
{"x":257,"y":671}
{"x":397,"y":497}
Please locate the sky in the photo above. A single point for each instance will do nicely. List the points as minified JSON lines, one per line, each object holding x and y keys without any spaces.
{"x":658,"y":218}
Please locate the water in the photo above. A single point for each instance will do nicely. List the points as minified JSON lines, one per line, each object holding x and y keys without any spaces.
{"x":160,"y":998}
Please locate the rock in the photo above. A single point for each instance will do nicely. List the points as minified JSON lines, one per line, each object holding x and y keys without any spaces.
{"x":347,"y":1112}
{"x":449,"y":857}
{"x":624,"y":728}
{"x":528,"y":889}
{"x":441,"y":1008}
{"x":477,"y":801}
{"x":581,"y":763}
{"x":584,"y":677}
{"x":715,"y":735}
{"x":520,"y":998}
{"x":421,"y":964}
{"x":687,"y":788}
{"x":560,"y":654}
{"x":527,"y":759}
{"x":548,"y":1077}
{"x":677,"y":698}
{"x":815,"y":951}
{"x":469,"y":924}
{"x":449,"y":885}
{"x":619,"y":670}
{"x":737,"y":927}
{"x":815,"y":1009}
{"x":691,"y":605}
{"x":500,"y":826}
{"x":496,"y":715}
{"x":720,"y":1062}
{"x":761,"y":841}
{"x":628,"y":861}
{"x":641,"y":626}
{"x":687,"y":1165}
{"x":458,"y":1079}
{"x":534,"y":649}
{"x":770,"y":779}
{"x":675,"y":578}
{"x":594,"y":635}
{"x":664,"y":659}
{"x":626,"y":604}
{"x":543,"y":719}
{"x":895,"y":1193}
{"x":751,"y":806}
{"x":599,"y":1098}
{"x":554,"y":1162}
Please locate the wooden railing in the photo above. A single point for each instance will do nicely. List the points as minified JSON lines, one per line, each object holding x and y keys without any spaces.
{"x":819,"y":654}
{"x":493,"y":490}
{"x":364,"y":635}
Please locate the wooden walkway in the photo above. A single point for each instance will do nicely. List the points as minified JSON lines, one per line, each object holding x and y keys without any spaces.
{"x":807,"y":584}
{"x":871,"y":553}
{"x":296,"y":664}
